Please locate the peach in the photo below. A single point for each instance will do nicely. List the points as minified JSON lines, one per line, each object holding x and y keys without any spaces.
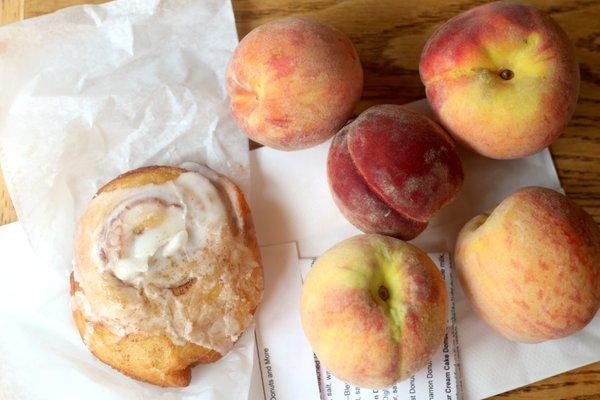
{"x":374,"y":310}
{"x":391,"y":170}
{"x":293,"y":83}
{"x":502,"y":78}
{"x":531,"y":268}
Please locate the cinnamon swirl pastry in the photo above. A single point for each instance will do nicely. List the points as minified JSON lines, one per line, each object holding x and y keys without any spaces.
{"x":167,"y":272}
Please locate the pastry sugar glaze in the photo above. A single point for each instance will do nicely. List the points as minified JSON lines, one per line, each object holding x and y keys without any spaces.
{"x":168,"y":258}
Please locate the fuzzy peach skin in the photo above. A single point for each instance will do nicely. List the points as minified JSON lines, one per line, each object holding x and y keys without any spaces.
{"x":294,"y":83}
{"x":391,"y":170}
{"x":374,"y":310}
{"x":531,"y":268}
{"x":502,"y":78}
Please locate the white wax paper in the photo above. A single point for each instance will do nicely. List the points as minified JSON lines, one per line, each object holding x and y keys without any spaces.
{"x":42,"y":356}
{"x":88,"y":93}
{"x":291,"y":202}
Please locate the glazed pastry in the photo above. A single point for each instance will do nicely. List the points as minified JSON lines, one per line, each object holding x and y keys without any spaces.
{"x":167,"y":272}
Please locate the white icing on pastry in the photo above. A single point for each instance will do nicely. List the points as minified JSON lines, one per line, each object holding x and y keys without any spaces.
{"x":150,"y":245}
{"x":179,"y":213}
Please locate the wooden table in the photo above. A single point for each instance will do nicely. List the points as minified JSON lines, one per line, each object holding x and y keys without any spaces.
{"x":389,"y":35}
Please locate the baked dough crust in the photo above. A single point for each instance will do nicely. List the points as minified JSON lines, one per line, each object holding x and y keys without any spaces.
{"x":157,"y":358}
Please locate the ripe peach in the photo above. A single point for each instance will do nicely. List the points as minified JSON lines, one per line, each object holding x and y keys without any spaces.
{"x":391,"y":170}
{"x":502,"y":78}
{"x":374,"y":310}
{"x":531,"y":268}
{"x":293,"y":83}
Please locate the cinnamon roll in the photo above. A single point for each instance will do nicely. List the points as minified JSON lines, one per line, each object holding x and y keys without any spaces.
{"x":166,"y":272}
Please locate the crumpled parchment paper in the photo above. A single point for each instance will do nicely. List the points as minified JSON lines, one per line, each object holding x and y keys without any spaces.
{"x":87,"y":93}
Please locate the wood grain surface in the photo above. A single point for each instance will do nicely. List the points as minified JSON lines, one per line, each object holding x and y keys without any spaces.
{"x":389,"y":35}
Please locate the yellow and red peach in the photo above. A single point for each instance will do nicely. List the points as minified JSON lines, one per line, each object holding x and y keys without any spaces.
{"x":391,"y":170}
{"x":374,"y":310}
{"x":502,"y":78}
{"x":531,"y":268}
{"x":294,"y":83}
